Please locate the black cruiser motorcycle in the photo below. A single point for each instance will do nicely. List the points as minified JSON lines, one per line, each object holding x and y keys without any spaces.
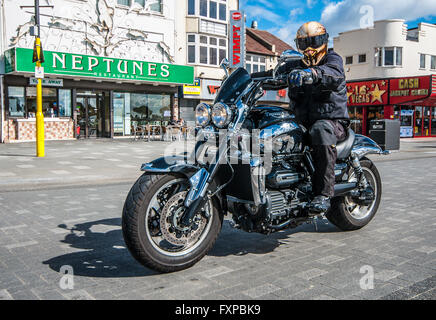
{"x":174,"y":211}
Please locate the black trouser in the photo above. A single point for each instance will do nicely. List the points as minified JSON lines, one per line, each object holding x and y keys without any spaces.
{"x":325,"y":134}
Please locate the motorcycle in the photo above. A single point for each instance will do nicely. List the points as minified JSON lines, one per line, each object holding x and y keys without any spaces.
{"x":174,"y":212}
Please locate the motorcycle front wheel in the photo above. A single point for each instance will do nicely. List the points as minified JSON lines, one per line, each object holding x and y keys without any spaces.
{"x":348,"y":215}
{"x":151,"y":214}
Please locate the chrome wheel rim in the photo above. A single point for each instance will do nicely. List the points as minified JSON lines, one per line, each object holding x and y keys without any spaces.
{"x":153,"y":218}
{"x":360,"y":212}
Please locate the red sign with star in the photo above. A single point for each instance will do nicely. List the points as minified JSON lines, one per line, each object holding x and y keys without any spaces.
{"x":367,"y":93}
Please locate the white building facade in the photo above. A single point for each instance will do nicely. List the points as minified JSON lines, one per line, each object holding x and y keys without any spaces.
{"x":205,"y":44}
{"x":391,"y":74}
{"x":110,"y":65}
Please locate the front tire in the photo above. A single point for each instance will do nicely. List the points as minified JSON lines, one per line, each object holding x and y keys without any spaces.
{"x":347,"y":215}
{"x":139,"y":234}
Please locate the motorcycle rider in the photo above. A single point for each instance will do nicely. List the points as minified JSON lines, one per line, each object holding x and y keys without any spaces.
{"x":320,"y":106}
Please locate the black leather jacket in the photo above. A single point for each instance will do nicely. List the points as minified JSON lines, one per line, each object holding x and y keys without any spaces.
{"x":324,"y":99}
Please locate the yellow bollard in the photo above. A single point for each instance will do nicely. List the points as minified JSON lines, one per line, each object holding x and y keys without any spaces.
{"x":40,"y":148}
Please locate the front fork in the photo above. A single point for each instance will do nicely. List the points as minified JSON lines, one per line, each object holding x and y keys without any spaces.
{"x":197,"y":196}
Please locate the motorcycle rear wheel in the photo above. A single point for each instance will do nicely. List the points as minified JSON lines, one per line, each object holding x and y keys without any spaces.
{"x":347,"y":215}
{"x":139,"y":234}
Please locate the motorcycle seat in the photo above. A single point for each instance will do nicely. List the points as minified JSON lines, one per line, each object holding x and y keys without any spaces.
{"x":343,"y":148}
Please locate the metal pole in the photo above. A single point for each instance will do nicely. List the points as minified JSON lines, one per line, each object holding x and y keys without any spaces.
{"x":2,"y":112}
{"x":40,"y":148}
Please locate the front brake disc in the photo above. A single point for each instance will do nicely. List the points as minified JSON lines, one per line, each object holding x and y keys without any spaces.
{"x":169,"y":222}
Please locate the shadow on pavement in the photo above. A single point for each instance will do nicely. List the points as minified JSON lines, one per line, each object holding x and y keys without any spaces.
{"x":17,"y":155}
{"x":236,"y":242}
{"x":103,"y":254}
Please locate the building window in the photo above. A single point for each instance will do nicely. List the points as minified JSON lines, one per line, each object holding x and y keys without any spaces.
{"x":349,"y":60}
{"x":389,"y":57}
{"x":133,"y":110}
{"x":212,"y":9}
{"x":255,"y":63}
{"x":362,"y":58}
{"x":16,"y":101}
{"x":422,"y":61}
{"x":64,"y":109}
{"x":156,"y":5}
{"x":206,"y":50}
{"x":49,"y":102}
{"x":191,"y":7}
{"x":433,"y":63}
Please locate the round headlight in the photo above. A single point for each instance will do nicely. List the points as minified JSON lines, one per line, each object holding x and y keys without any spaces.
{"x":202,"y":114}
{"x":221,"y":115}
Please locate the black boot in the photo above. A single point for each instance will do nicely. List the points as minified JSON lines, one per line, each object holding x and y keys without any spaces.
{"x":320,"y":204}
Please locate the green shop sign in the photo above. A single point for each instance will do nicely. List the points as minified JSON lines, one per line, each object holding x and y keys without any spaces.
{"x":80,"y":65}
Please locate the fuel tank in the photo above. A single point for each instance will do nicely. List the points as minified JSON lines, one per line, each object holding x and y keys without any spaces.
{"x":264,"y":115}
{"x":277,"y":125}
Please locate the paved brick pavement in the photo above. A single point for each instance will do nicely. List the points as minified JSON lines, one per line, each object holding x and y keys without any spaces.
{"x":44,"y":230}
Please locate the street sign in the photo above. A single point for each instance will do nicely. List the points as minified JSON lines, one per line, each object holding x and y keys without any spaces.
{"x":39,"y":72}
{"x":80,"y":65}
{"x":237,"y":39}
{"x":47,"y":82}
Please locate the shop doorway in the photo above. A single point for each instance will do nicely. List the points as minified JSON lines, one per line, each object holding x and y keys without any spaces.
{"x":424,"y":119}
{"x":357,"y":118}
{"x":93,"y":114}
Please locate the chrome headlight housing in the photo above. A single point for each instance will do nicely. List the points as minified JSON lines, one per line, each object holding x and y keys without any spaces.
{"x":221,"y":115}
{"x":202,"y":114}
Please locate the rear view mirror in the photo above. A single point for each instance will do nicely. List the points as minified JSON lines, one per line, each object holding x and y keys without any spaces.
{"x":291,"y":55}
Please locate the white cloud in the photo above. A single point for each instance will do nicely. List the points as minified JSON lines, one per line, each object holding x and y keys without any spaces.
{"x":345,"y":15}
{"x":262,"y":13}
{"x":295,"y":12}
{"x":311,"y":3}
{"x":267,"y":3}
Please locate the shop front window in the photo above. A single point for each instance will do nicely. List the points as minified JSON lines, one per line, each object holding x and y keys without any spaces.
{"x":138,"y":109}
{"x":405,"y":116}
{"x":356,"y":118}
{"x":426,"y":122}
{"x":121,"y":117}
{"x":418,"y":121}
{"x":16,"y":102}
{"x":433,"y":121}
{"x":64,"y":109}
{"x":49,"y":102}
{"x":374,"y":113}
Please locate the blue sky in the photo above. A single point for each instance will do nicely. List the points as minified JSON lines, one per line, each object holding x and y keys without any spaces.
{"x":283,"y":17}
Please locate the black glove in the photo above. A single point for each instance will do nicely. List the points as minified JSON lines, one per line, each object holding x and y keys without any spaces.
{"x":301,"y":76}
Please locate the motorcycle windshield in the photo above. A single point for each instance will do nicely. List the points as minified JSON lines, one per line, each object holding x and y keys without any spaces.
{"x":233,"y":86}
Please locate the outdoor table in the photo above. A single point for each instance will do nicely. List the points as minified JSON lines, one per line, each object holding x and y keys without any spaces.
{"x":172,"y":127}
{"x":152,"y":127}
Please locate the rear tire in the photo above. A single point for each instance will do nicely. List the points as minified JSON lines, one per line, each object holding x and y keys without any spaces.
{"x":134,"y":228}
{"x":339,"y":213}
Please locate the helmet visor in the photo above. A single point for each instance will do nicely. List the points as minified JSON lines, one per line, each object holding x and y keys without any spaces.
{"x":313,"y":42}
